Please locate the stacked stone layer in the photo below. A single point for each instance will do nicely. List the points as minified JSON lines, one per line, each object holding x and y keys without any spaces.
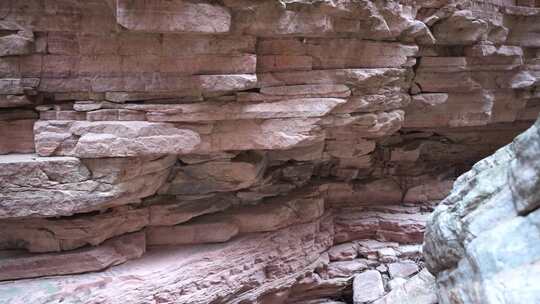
{"x":268,"y":133}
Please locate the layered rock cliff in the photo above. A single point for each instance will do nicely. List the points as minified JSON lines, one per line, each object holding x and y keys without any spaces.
{"x":245,"y":151}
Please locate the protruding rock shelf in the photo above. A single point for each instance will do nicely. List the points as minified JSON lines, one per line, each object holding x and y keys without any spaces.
{"x":113,"y":252}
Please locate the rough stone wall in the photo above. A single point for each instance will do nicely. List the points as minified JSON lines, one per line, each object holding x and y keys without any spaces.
{"x":243,"y":151}
{"x":482,"y":241}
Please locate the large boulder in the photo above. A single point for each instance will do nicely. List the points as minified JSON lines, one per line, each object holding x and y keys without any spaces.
{"x":482,"y":242}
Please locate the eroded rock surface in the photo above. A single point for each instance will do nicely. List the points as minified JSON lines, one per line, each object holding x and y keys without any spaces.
{"x":34,"y":186}
{"x":262,"y":151}
{"x":112,"y":252}
{"x":474,"y":236}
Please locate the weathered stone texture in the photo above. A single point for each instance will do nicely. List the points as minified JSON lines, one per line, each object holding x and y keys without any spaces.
{"x":481,"y":241}
{"x":261,"y":151}
{"x":34,"y":186}
{"x":113,"y":252}
{"x":367,"y":286}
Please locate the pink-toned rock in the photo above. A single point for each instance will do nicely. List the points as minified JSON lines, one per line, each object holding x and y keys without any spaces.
{"x":410,"y":251}
{"x":216,"y":176}
{"x":454,"y":110}
{"x":343,"y":252}
{"x":209,"y":84}
{"x":186,"y":268}
{"x":314,"y":287}
{"x":65,"y":115}
{"x":34,"y":186}
{"x":172,"y":16}
{"x":112,"y":138}
{"x":122,"y":97}
{"x":345,"y":269}
{"x":270,"y":215}
{"x":482,"y":50}
{"x":506,"y":106}
{"x":17,"y":114}
{"x":321,"y":90}
{"x":370,"y":247}
{"x":367,"y":286}
{"x":10,"y":86}
{"x":377,"y":192}
{"x":12,"y":101}
{"x":406,"y":153}
{"x":428,"y":192}
{"x":276,"y":63}
{"x":112,"y":252}
{"x":420,"y":289}
{"x":208,"y":64}
{"x":368,"y":125}
{"x":208,"y":124}
{"x":17,"y":136}
{"x":175,"y":45}
{"x":271,"y":20}
{"x":194,"y":233}
{"x":460,"y":64}
{"x":276,"y":213}
{"x":373,"y":103}
{"x":272,"y":134}
{"x":182,"y":85}
{"x":49,"y":235}
{"x":20,"y":43}
{"x":356,"y":78}
{"x":353,"y":53}
{"x":460,"y":28}
{"x":114,"y":64}
{"x":435,"y":82}
{"x":172,"y":211}
{"x":404,"y":225}
{"x":212,"y":111}
{"x":345,"y":147}
{"x":402,"y":269}
{"x":387,"y":255}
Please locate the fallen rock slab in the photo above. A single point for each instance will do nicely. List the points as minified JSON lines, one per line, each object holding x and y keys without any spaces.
{"x":367,"y":287}
{"x":172,"y":16}
{"x":180,"y":273}
{"x":402,"y":269}
{"x":420,"y":289}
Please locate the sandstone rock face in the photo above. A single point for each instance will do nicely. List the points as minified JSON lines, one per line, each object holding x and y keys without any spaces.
{"x":175,"y":274}
{"x":217,"y":176}
{"x":34,"y":186}
{"x":112,"y":139}
{"x":255,"y":151}
{"x":474,"y":236}
{"x":181,"y":16}
{"x":112,"y":252}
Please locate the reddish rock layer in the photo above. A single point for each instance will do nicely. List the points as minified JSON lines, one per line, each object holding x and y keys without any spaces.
{"x":292,"y":149}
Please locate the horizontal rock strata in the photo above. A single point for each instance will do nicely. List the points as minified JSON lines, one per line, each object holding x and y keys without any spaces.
{"x":34,"y":186}
{"x":249,"y":151}
{"x":112,"y":252}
